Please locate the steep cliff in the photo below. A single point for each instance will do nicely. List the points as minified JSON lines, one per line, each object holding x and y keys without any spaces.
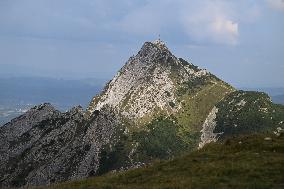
{"x":157,"y":107}
{"x":44,"y":145}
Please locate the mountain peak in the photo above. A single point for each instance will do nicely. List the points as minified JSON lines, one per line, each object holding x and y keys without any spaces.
{"x":157,"y":42}
{"x":155,"y":47}
{"x":157,"y":106}
{"x":150,"y":83}
{"x":145,"y":75}
{"x":153,"y":53}
{"x":161,"y":44}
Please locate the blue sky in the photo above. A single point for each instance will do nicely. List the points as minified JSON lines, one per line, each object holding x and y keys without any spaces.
{"x":240,"y":41}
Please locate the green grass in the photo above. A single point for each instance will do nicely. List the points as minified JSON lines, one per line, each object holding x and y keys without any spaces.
{"x":244,"y":162}
{"x":257,"y":114}
{"x":196,"y":107}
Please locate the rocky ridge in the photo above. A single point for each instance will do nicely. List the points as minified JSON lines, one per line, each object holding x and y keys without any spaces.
{"x":45,"y":146}
{"x":158,"y":106}
{"x":146,"y":83}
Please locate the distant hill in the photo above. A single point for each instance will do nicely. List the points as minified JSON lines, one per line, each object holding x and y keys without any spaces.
{"x":245,"y":162}
{"x":279,"y":99}
{"x":276,"y":93}
{"x":271,"y":91}
{"x":21,"y":93}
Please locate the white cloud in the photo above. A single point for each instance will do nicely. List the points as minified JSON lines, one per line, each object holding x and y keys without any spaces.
{"x":221,"y":25}
{"x":213,"y":22}
{"x":276,"y":4}
{"x":206,"y":21}
{"x":225,"y":30}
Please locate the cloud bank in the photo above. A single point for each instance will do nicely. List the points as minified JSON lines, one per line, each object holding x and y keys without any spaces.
{"x":276,"y":4}
{"x":90,"y":38}
{"x":204,"y":21}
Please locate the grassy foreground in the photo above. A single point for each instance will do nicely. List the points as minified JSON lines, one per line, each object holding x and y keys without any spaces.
{"x":246,"y":162}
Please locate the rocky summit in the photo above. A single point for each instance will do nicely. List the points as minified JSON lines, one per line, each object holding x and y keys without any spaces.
{"x":157,"y":107}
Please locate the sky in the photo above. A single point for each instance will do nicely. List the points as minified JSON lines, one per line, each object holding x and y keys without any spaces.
{"x":242,"y":42}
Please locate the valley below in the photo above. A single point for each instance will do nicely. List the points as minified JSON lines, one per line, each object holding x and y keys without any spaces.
{"x":19,"y":94}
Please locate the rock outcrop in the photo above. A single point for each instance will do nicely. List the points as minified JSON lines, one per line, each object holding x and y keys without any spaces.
{"x":149,"y":82}
{"x":44,"y":145}
{"x":158,"y":106}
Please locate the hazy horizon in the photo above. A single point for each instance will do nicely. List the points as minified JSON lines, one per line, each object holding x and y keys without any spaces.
{"x":240,"y":42}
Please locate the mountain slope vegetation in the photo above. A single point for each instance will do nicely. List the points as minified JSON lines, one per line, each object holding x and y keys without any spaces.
{"x":157,"y":107}
{"x":255,"y":161}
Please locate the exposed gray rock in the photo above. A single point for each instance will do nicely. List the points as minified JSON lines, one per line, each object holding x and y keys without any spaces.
{"x":207,"y":134}
{"x":156,"y":103}
{"x":147,"y":83}
{"x":45,"y":145}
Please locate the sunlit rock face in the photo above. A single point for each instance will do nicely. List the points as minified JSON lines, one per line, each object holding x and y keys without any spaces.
{"x":147,"y":84}
{"x":157,"y":107}
{"x":153,"y":99}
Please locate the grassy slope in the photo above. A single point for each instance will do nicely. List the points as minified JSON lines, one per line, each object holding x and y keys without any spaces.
{"x":257,"y":114}
{"x":251,"y":163}
{"x":197,"y":106}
